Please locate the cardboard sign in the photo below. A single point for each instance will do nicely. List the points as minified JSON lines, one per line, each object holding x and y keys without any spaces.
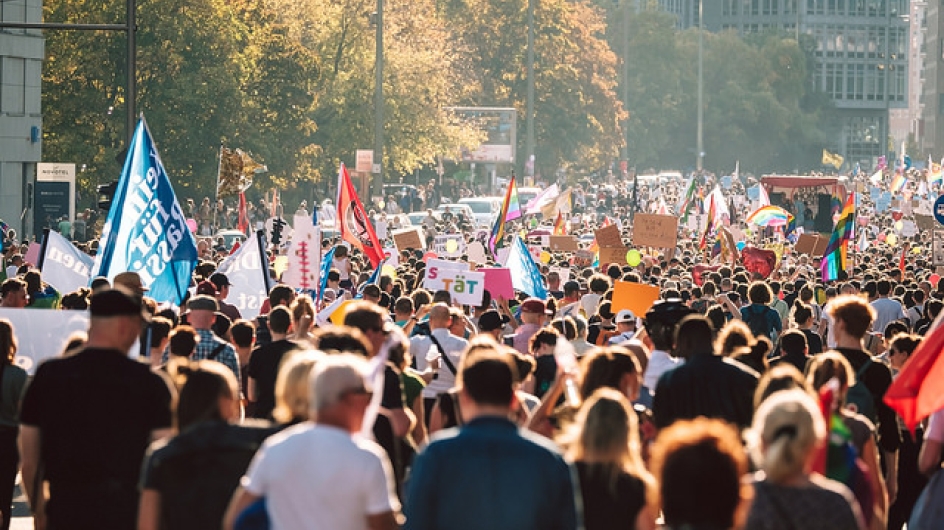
{"x":563,"y":273}
{"x":806,"y":243}
{"x":652,"y":230}
{"x":583,"y":258}
{"x":409,"y":239}
{"x":498,"y":282}
{"x":613,"y":255}
{"x":637,"y":297}
{"x":609,"y":236}
{"x":449,"y":245}
{"x":821,"y":245}
{"x":563,"y":244}
{"x":925,"y":222}
{"x":465,"y":286}
{"x":535,"y":251}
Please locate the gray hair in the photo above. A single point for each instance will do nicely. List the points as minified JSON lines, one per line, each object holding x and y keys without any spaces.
{"x":334,"y":375}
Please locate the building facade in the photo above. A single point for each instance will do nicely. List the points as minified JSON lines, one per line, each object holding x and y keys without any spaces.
{"x":21,"y":59}
{"x":860,"y":51}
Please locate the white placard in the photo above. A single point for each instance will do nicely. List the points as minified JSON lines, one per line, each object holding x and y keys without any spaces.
{"x":42,"y":333}
{"x":465,"y":286}
{"x":441,"y":245}
{"x":434,"y":268}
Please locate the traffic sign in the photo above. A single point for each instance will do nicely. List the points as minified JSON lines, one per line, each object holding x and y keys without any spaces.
{"x":939,"y":209}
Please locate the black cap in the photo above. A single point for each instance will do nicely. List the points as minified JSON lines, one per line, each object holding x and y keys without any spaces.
{"x":118,"y":302}
{"x":491,"y":320}
{"x":202,"y":302}
{"x":219,"y":280}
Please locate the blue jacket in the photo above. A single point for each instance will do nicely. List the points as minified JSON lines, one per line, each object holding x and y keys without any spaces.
{"x":490,"y":474}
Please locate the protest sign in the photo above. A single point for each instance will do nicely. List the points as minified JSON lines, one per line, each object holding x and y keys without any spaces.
{"x":806,"y":243}
{"x":409,"y":239}
{"x":42,"y":333}
{"x":435,"y":266}
{"x":608,"y":236}
{"x":563,"y":244}
{"x":465,"y":286}
{"x":449,"y":245}
{"x":613,"y":255}
{"x":637,"y":297}
{"x":498,"y":282}
{"x":583,"y":258}
{"x":563,"y":273}
{"x":657,"y":231}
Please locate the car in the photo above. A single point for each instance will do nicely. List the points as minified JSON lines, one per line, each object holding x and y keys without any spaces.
{"x":417,"y":218}
{"x":456,"y":209}
{"x":484,"y":209}
{"x":526,"y":194}
{"x":230,"y":237}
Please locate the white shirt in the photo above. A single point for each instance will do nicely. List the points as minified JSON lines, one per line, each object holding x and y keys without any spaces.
{"x":886,"y":310}
{"x":317,"y":477}
{"x":589,"y":303}
{"x":420,"y":348}
{"x":660,"y":362}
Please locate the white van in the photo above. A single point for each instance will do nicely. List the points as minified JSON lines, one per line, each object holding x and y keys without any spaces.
{"x":484,"y":209}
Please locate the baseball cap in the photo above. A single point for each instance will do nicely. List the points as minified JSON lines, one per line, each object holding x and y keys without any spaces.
{"x":203,"y":302}
{"x":625,"y":315}
{"x":131,"y":281}
{"x":534,"y":305}
{"x":219,"y":279}
{"x":206,"y":288}
{"x":118,"y":302}
{"x":491,"y":320}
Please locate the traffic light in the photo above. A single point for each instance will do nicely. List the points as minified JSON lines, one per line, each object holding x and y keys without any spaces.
{"x":277,"y":225}
{"x":106,"y":192}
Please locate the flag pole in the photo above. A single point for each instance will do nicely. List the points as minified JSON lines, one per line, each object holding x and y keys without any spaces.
{"x":219,"y":168}
{"x":42,"y":249}
{"x":263,"y":257}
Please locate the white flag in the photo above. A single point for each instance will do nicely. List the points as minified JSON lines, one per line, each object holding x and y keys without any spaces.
{"x":249,"y":281}
{"x":65,"y":267}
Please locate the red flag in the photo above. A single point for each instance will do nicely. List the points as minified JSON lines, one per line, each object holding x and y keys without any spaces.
{"x":243,"y":223}
{"x":918,"y":390}
{"x":354,"y":223}
{"x":901,"y":262}
{"x":560,"y":227}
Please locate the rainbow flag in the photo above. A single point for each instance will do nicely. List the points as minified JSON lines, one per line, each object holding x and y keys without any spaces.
{"x":834,"y":258}
{"x":496,"y":240}
{"x":511,"y":201}
{"x":769,"y":216}
{"x":898,"y":181}
{"x":791,"y":225}
{"x":934,"y":170}
{"x":711,"y":221}
{"x":560,"y":227}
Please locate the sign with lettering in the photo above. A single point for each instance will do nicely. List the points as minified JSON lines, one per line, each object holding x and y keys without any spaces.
{"x":609,"y":236}
{"x":563,"y":243}
{"x":465,"y":286}
{"x":653,"y":230}
{"x":409,"y":239}
{"x":449,"y":245}
{"x":613,"y":255}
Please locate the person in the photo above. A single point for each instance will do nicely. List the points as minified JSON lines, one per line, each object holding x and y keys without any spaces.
{"x":851,"y":318}
{"x":13,"y":293}
{"x":910,"y":480}
{"x":698,"y":465}
{"x":221,"y":281}
{"x":264,"y":364}
{"x":533,"y":314}
{"x":661,"y":321}
{"x":441,"y":351}
{"x":793,"y":350}
{"x":803,"y":316}
{"x":787,"y":431}
{"x":188,"y":480}
{"x":319,"y":474}
{"x":12,"y":383}
{"x":87,"y":420}
{"x":604,"y":447}
{"x":760,"y":318}
{"x":524,"y":469}
{"x":625,"y":327}
{"x":886,"y":309}
{"x":342,"y":263}
{"x":202,"y":315}
{"x":706,"y":384}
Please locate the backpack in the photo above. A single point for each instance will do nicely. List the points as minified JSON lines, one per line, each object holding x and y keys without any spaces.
{"x":858,"y":398}
{"x":603,"y":335}
{"x":757,"y":321}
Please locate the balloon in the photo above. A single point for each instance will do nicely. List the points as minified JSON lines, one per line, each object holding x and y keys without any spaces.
{"x":891,"y":240}
{"x":192,"y":225}
{"x":545,"y":257}
{"x":917,"y":250}
{"x":428,"y":256}
{"x":759,"y":260}
{"x":699,"y":271}
{"x":897,"y":215}
{"x":633,"y":258}
{"x":389,"y":271}
{"x":740,"y":245}
{"x":899,"y":225}
{"x":451,"y":245}
{"x":934,"y":279}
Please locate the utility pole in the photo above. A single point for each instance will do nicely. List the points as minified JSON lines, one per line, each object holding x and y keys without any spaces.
{"x":700,"y":140}
{"x":529,"y":139}
{"x":378,"y":103}
{"x":624,"y":163}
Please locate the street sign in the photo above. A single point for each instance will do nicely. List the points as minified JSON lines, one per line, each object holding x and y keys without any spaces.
{"x":364,"y":160}
{"x":939,"y":209}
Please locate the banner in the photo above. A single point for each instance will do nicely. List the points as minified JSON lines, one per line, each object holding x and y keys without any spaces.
{"x":63,"y":266}
{"x":525,"y":275}
{"x":145,"y":231}
{"x":43,"y":333}
{"x":449,"y":245}
{"x":353,"y":222}
{"x":465,"y":286}
{"x":304,"y":256}
{"x":658,"y":231}
{"x":249,"y":281}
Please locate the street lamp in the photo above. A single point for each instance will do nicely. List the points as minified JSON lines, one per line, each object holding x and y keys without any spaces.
{"x":377,"y":168}
{"x":529,"y":139}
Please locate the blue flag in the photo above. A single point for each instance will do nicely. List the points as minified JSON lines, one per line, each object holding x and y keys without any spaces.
{"x":326,"y":262}
{"x":525,"y":275}
{"x":146,"y":231}
{"x":374,"y":278}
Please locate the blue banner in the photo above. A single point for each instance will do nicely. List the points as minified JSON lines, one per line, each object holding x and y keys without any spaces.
{"x":146,"y":231}
{"x":525,"y":275}
{"x":326,"y":262}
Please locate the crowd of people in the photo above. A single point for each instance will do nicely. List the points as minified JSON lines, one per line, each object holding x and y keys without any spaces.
{"x":735,"y":401}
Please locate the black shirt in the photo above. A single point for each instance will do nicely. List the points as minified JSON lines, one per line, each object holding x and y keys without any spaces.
{"x":264,"y":366}
{"x":877,"y":379}
{"x":609,"y":503}
{"x":706,"y":385}
{"x":96,"y":411}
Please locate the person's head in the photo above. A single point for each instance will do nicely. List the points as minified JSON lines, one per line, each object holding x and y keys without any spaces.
{"x":566,"y":327}
{"x":203,"y":310}
{"x":160,"y":332}
{"x":116,"y":318}
{"x":760,"y":293}
{"x":883,"y":287}
{"x":456,"y":321}
{"x":370,"y":319}
{"x":571,"y":290}
{"x":901,"y":348}
{"x":544,"y":341}
{"x":13,"y":293}
{"x":852,"y":317}
{"x":221,"y":281}
{"x":693,"y":337}
{"x":625,"y":321}
{"x":827,"y":366}
{"x":292,"y":388}
{"x":802,"y":314}
{"x":533,"y":311}
{"x":610,"y":367}
{"x":183,"y":341}
{"x":783,"y":376}
{"x":280,"y":321}
{"x":788,"y":426}
{"x":793,"y":342}
{"x":403,"y":308}
{"x":662,"y":319}
{"x":492,"y":323}
{"x":371,"y":292}
{"x":281,"y":294}
{"x":8,"y":344}
{"x":209,"y":393}
{"x":487,"y":382}
{"x":243,"y":333}
{"x":698,"y":465}
{"x":334,"y":339}
{"x":303,"y":306}
{"x":339,"y":391}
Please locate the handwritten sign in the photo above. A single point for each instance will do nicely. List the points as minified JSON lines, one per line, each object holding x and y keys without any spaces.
{"x":583,"y":258}
{"x":498,"y":282}
{"x":613,"y":255}
{"x":652,"y":230}
{"x":637,"y":297}
{"x":563,"y":273}
{"x":449,"y":245}
{"x":609,"y":236}
{"x":465,"y":286}
{"x":806,"y":243}
{"x":563,"y":244}
{"x":409,"y":239}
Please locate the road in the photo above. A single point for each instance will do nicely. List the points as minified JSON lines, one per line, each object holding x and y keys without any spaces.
{"x":22,"y":520}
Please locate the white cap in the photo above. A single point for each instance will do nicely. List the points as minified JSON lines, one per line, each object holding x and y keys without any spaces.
{"x":625,"y":315}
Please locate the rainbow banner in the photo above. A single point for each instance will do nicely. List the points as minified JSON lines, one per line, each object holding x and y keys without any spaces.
{"x":769,"y":216}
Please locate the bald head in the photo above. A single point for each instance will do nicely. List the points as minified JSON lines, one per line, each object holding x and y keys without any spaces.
{"x":439,"y":316}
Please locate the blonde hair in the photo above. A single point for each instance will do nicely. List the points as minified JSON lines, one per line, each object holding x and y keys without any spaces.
{"x":291,"y":386}
{"x":606,"y":435}
{"x":787,"y":427}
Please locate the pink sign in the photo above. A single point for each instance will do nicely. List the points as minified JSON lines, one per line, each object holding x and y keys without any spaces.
{"x":32,"y":255}
{"x":498,"y":282}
